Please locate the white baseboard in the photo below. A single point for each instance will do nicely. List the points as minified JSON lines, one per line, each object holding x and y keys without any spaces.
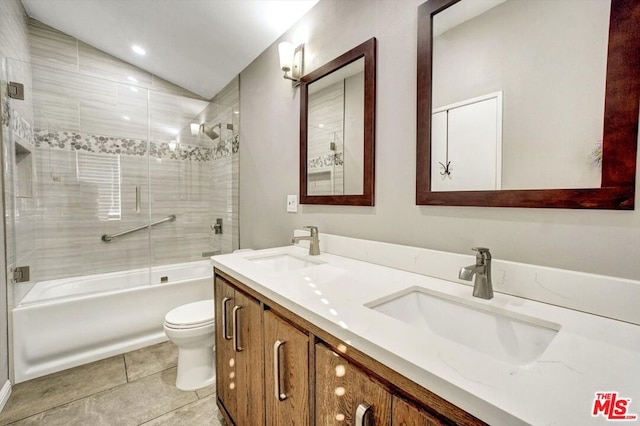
{"x":5,"y":393}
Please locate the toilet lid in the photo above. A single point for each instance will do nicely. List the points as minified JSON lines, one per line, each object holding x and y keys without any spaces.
{"x":192,"y":314}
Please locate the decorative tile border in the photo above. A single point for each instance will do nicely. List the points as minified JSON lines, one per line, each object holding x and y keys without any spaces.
{"x":235,"y":144}
{"x":20,"y":126}
{"x":181,"y":152}
{"x":133,"y":147}
{"x":89,"y":143}
{"x":327,"y":160}
{"x":4,"y":111}
{"x":226,"y":148}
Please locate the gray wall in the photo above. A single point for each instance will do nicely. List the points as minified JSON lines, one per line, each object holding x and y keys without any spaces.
{"x":605,"y":242}
{"x":14,"y":43}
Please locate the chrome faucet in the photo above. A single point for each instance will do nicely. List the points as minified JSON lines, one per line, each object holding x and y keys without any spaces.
{"x":482,"y":286}
{"x":314,"y":243}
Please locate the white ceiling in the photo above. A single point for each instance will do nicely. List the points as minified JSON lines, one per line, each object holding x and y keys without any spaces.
{"x":200,"y":45}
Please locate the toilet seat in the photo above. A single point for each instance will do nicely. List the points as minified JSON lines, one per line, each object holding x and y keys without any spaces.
{"x":191,"y":315}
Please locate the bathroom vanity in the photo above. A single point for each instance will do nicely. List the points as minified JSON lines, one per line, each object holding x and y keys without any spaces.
{"x":298,"y":366}
{"x":360,"y":334}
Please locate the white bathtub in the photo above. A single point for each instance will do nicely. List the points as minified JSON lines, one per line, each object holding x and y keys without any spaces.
{"x":64,"y":323}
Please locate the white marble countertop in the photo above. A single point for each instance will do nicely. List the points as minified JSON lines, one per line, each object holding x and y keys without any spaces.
{"x":589,"y":354}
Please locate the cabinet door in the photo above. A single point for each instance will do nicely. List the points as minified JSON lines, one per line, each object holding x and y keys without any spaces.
{"x":345,"y":393}
{"x":239,"y":362}
{"x":404,"y":414}
{"x":286,"y":353}
{"x":247,"y":318}
{"x":225,"y":355}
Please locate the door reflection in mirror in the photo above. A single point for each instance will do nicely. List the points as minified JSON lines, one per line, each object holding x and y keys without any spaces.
{"x":466,"y":145}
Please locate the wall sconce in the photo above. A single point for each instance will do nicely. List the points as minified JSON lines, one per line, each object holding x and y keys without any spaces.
{"x":195,"y":129}
{"x":173,"y":144}
{"x":291,"y":60}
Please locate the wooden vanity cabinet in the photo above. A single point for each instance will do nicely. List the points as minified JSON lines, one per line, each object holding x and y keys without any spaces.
{"x":405,"y":414}
{"x":286,"y":354}
{"x":239,"y":358}
{"x":283,"y":370}
{"x":346,"y":395}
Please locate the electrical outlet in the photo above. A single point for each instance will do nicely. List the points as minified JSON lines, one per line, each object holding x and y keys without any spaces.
{"x":292,"y":203}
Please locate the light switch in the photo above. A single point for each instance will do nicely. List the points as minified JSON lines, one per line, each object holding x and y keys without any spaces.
{"x":292,"y":203}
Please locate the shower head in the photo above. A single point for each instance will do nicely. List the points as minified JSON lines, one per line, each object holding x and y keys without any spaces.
{"x":209,"y":131}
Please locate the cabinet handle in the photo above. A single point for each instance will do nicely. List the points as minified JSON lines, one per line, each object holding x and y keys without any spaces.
{"x":236,"y":331}
{"x":276,"y":371}
{"x":224,"y":318}
{"x":361,"y":414}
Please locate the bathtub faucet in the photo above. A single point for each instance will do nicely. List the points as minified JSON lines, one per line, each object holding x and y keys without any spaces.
{"x":314,"y":243}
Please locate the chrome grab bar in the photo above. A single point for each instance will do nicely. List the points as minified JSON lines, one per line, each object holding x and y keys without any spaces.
{"x":108,"y":238}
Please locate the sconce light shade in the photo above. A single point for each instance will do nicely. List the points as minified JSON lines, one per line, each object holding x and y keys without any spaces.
{"x":291,"y":60}
{"x":195,"y":129}
{"x":285,"y":50}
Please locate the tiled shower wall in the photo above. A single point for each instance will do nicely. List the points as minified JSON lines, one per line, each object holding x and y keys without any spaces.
{"x":90,"y":106}
{"x":326,"y":127}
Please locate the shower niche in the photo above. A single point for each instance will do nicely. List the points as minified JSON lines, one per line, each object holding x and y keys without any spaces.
{"x":24,"y":171}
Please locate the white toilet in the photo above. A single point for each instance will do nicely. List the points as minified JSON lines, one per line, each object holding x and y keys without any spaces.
{"x":191,"y":328}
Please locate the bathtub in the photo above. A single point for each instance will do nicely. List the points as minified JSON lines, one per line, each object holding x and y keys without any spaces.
{"x":64,"y":323}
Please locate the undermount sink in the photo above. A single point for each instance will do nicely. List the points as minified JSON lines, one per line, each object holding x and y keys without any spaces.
{"x":281,"y":262}
{"x":507,"y":336}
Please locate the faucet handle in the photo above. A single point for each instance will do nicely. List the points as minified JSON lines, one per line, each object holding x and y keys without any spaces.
{"x":483,"y":252}
{"x":312,"y":229}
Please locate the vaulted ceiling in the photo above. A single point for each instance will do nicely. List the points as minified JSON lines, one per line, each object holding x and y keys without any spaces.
{"x":197,"y":44}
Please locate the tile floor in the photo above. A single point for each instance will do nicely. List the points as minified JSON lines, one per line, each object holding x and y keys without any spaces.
{"x":137,"y":388}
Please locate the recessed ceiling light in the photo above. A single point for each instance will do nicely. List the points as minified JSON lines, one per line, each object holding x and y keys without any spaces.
{"x":236,"y":112}
{"x":125,"y":117}
{"x":138,"y":50}
{"x":132,"y":78}
{"x":133,"y":89}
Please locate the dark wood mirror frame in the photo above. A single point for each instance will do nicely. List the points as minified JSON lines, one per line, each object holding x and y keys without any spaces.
{"x":619,"y":144}
{"x":366,"y":50}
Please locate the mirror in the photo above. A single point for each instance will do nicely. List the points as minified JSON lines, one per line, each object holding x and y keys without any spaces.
{"x":337,"y":130}
{"x":516,"y":108}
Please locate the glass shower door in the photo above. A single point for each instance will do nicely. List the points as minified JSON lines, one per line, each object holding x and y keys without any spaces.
{"x":87,"y":146}
{"x":190,"y":177}
{"x":20,"y":181}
